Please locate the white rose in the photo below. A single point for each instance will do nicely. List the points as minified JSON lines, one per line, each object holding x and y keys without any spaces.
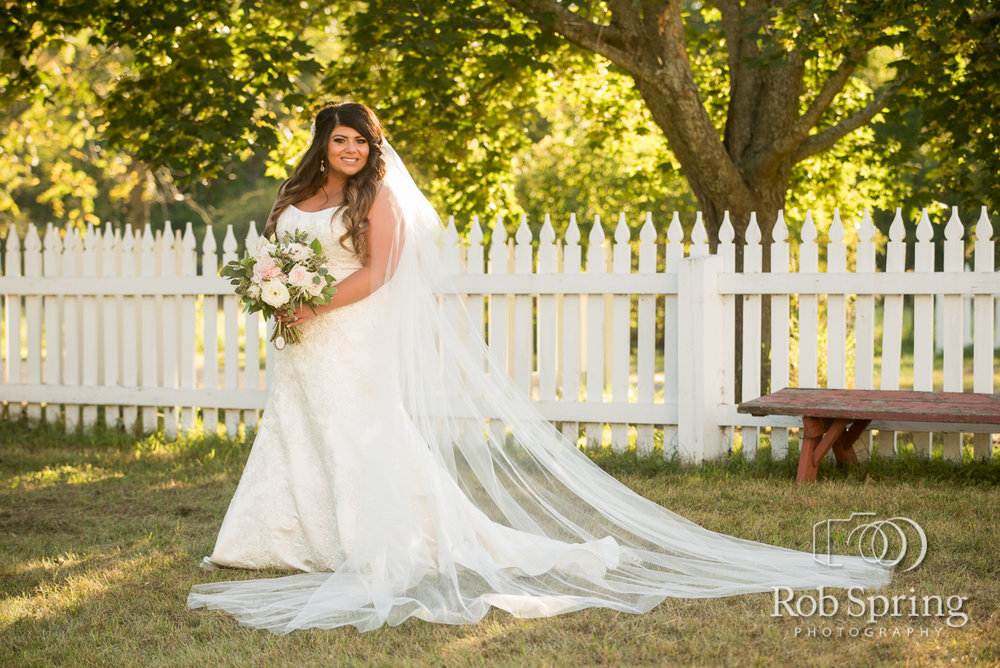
{"x":299,"y":252}
{"x":299,"y":276}
{"x":253,"y":292}
{"x":274,"y":293}
{"x":259,"y":246}
{"x":315,"y":287}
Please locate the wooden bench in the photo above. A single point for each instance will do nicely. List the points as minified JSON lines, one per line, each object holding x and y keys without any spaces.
{"x":835,"y":418}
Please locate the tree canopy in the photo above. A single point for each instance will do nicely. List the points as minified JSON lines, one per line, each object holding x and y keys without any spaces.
{"x":741,"y":99}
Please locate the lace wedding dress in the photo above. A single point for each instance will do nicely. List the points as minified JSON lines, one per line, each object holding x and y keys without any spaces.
{"x":405,"y":476}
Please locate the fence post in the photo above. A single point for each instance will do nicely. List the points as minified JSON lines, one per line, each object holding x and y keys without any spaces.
{"x":700,"y":358}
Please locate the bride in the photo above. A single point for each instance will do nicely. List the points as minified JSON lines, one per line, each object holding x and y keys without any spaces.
{"x":403,"y":475}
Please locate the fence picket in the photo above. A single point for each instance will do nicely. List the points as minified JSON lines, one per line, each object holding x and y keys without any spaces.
{"x":954,"y":332}
{"x":699,"y":237}
{"x":33,"y":318}
{"x":646,"y":336}
{"x":169,"y":313}
{"x":71,"y":324}
{"x":188,"y":332}
{"x":497,"y":329}
{"x":571,"y":328}
{"x":151,"y":341}
{"x":750,"y":384}
{"x":621,"y":333}
{"x":864,"y":322}
{"x":923,"y":326}
{"x":779,"y":329}
{"x":727,"y":334}
{"x":522,"y":361}
{"x":251,"y":341}
{"x":230,"y":336}
{"x":836,"y":308}
{"x":89,"y":334}
{"x":808,"y":308}
{"x":131,"y":328}
{"x":984,"y":342}
{"x":547,"y":331}
{"x":596,"y":264}
{"x":210,"y":330}
{"x":12,"y":318}
{"x":892,"y":325}
{"x":476,"y":265}
{"x":52,"y":305}
{"x":111,"y":306}
{"x":673,"y":253}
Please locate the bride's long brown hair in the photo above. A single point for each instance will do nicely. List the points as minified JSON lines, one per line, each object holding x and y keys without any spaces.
{"x":359,"y":190}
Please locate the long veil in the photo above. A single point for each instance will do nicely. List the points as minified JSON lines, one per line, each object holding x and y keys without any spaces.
{"x":469,"y":498}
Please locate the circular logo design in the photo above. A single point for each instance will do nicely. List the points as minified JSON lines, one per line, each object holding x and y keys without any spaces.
{"x":877,"y":542}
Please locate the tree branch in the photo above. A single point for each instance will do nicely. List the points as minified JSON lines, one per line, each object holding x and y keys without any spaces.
{"x":606,"y":40}
{"x":793,"y":138}
{"x":623,"y":13}
{"x":983,"y":17}
{"x":821,"y":141}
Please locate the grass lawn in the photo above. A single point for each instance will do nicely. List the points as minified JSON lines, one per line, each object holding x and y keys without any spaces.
{"x":100,"y":535}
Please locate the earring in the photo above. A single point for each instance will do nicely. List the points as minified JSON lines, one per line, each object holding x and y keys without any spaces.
{"x":322,"y":165}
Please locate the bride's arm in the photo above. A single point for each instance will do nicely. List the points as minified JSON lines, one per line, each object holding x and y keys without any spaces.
{"x":384,"y":223}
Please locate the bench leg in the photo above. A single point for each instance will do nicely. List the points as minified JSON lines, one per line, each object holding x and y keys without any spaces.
{"x":844,"y":447}
{"x":821,"y":434}
{"x":812,"y":433}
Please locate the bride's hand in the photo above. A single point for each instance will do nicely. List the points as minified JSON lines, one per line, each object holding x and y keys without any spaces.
{"x":295,"y":318}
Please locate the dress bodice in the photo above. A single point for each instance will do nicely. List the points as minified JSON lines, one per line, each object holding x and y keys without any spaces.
{"x":327,"y":225}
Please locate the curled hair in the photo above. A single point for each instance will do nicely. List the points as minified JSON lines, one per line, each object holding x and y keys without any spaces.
{"x":359,"y":190}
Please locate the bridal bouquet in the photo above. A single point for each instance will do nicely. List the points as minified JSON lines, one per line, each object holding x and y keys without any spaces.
{"x":281,"y":277}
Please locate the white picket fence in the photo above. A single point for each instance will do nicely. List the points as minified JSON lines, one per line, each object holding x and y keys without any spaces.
{"x":119,"y":324}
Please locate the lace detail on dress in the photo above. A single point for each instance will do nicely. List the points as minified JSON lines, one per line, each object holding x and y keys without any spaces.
{"x":296,"y":503}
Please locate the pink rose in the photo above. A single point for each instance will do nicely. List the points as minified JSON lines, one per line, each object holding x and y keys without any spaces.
{"x":299,"y":276}
{"x":265,"y":269}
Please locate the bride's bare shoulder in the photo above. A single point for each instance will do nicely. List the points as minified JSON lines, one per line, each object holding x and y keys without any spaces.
{"x":385,"y":192}
{"x":385,"y":204}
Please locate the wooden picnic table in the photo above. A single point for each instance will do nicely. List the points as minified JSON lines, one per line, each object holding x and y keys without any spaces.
{"x":835,"y":418}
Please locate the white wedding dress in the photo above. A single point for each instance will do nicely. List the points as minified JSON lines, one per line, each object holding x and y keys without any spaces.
{"x":405,"y":478}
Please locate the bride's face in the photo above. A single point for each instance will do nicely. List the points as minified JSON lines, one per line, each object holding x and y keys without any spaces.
{"x":347,"y":152}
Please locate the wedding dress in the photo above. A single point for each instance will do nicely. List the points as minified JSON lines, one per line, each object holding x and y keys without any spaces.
{"x":406,"y":476}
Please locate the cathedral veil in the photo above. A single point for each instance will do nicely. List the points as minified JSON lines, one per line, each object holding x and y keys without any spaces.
{"x":470,"y":499}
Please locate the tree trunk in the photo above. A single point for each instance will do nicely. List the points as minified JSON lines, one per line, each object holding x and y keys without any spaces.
{"x":137,"y":213}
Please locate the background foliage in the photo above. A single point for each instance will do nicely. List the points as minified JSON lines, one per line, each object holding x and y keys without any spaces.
{"x":195,"y":109}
